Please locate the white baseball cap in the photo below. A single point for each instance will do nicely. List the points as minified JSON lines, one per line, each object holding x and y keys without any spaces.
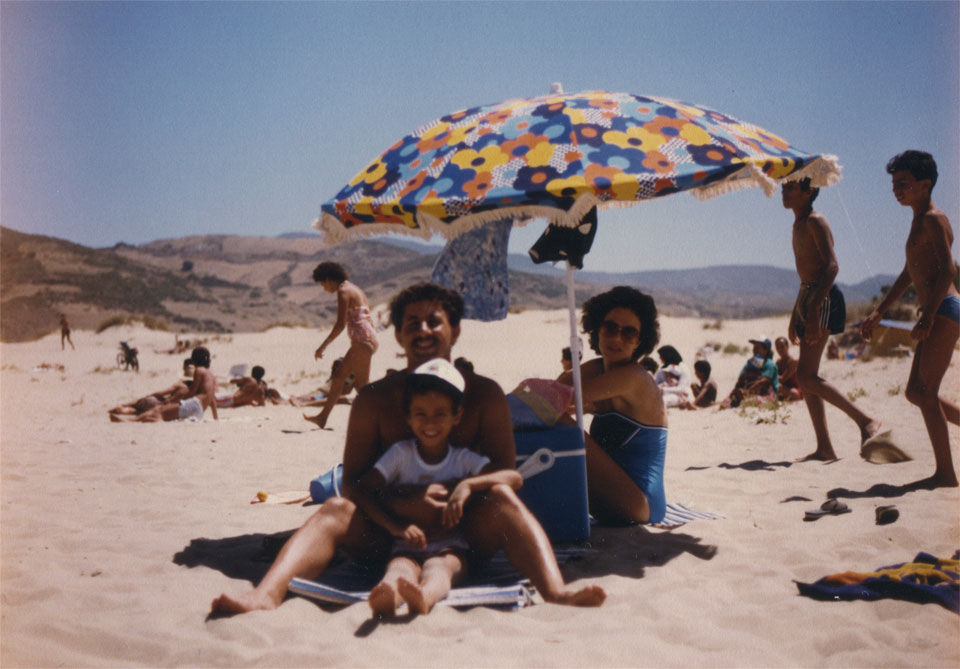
{"x":443,"y":370}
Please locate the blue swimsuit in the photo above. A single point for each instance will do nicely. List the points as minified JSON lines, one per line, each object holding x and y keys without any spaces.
{"x":640,"y":450}
{"x":950,"y":307}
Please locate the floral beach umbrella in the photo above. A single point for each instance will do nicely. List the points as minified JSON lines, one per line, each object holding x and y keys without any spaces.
{"x":556,"y":157}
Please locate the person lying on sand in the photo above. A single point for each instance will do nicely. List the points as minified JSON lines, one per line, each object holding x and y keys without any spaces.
{"x":318,"y":398}
{"x":251,"y":390}
{"x":819,"y":312}
{"x":202,"y":394}
{"x":931,"y":269}
{"x":174,"y":393}
{"x":426,"y":318}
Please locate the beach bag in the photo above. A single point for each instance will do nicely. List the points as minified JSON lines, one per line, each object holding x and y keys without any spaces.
{"x":537,"y":404}
{"x":327,"y":485}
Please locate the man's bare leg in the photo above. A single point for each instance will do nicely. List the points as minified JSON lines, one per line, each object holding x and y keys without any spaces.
{"x":816,"y":391}
{"x":929,"y":365}
{"x":499,"y":520}
{"x":306,"y":554}
{"x":385,"y":596}
{"x":434,"y":583}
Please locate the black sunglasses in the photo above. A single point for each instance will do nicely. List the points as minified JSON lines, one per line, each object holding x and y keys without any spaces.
{"x":626,"y":332}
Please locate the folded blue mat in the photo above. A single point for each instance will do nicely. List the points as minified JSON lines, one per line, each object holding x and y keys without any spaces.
{"x":927,"y":579}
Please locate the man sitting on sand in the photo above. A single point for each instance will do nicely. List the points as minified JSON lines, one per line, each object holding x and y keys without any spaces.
{"x":202,"y":394}
{"x":931,"y":269}
{"x":174,"y":393}
{"x":426,"y":318}
{"x":818,"y":312}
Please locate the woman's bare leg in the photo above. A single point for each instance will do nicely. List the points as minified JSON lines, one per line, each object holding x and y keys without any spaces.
{"x":436,"y":579}
{"x":353,"y":362}
{"x":610,"y":489}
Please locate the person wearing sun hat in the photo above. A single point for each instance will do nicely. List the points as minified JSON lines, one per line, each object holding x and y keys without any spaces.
{"x":758,"y":377}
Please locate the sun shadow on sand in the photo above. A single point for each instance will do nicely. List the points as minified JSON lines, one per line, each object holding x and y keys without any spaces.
{"x":749,"y":465}
{"x":882,"y":490}
{"x":247,"y":556}
{"x":628,"y":551}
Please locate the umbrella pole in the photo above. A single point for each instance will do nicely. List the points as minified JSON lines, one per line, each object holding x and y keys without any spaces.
{"x":574,"y":346}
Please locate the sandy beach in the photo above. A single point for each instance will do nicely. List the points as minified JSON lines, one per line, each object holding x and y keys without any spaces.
{"x":115,"y":538}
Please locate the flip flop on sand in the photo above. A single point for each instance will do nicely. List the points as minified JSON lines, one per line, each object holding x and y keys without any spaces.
{"x":832,"y":507}
{"x":887,"y":514}
{"x":881,"y":449}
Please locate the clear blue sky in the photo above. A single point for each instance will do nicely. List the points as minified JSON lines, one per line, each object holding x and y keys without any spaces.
{"x":141,"y":121}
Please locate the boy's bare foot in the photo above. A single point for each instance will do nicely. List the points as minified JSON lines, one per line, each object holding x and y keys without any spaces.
{"x":250,"y":601}
{"x":383,"y":600}
{"x":316,"y":420}
{"x":412,"y":594}
{"x":591,"y":595}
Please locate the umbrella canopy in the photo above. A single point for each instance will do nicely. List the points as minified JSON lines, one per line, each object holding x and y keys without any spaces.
{"x":556,"y":157}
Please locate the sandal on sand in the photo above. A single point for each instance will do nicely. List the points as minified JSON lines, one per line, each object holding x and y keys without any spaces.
{"x":887,"y":514}
{"x":832,"y":507}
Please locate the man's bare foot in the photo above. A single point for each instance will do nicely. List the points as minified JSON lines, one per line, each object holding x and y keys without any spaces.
{"x":250,"y":601}
{"x":591,"y":595}
{"x":822,"y":456}
{"x":316,"y":420}
{"x":383,"y":600}
{"x":412,"y":594}
{"x":871,"y":429}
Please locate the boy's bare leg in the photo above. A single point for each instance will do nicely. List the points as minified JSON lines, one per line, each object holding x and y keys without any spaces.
{"x":306,"y":554}
{"x":929,"y":365}
{"x":434,"y":583}
{"x":816,"y":391}
{"x":385,"y":596}
{"x":499,"y":520}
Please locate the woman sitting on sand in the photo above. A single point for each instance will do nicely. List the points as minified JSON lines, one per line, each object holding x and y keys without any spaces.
{"x":627,"y":444}
{"x":353,"y":313}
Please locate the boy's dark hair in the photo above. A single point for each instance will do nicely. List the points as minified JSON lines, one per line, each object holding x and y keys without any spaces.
{"x":200,"y":357}
{"x":805,"y":187}
{"x":597,"y":307}
{"x":330,"y":270}
{"x":257,"y":373}
{"x":420,"y":384}
{"x":650,"y":364}
{"x":702,"y":366}
{"x":669,"y":355}
{"x":449,"y":300}
{"x":918,"y":163}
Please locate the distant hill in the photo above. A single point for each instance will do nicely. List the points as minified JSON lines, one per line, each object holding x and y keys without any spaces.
{"x":232,"y":283}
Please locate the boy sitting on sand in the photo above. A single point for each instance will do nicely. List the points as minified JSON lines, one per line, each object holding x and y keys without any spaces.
{"x":931,"y":269}
{"x":421,"y":570}
{"x":704,"y":392}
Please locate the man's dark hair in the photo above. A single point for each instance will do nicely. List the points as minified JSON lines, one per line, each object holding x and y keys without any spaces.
{"x":257,"y":373}
{"x":449,"y":300}
{"x":200,"y":357}
{"x":420,"y":384}
{"x":918,"y":163}
{"x":597,"y":307}
{"x":702,"y":366}
{"x":805,"y":187}
{"x":330,"y":270}
{"x":669,"y":355}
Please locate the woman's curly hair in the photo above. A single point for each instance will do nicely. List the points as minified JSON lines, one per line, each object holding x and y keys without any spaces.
{"x":596,"y":309}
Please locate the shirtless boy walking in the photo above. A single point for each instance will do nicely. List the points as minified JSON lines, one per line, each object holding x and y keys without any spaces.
{"x":931,"y":269}
{"x":818,"y":312}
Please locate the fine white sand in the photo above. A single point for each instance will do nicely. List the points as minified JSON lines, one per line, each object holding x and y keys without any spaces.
{"x":97,"y":519}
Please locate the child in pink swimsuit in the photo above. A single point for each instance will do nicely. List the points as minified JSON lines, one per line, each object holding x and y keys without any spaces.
{"x":353,"y":315}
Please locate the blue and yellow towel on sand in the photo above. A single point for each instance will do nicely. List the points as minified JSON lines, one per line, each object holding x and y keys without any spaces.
{"x":926,"y":579}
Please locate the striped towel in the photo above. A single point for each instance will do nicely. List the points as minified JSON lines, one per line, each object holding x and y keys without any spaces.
{"x":681,"y":514}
